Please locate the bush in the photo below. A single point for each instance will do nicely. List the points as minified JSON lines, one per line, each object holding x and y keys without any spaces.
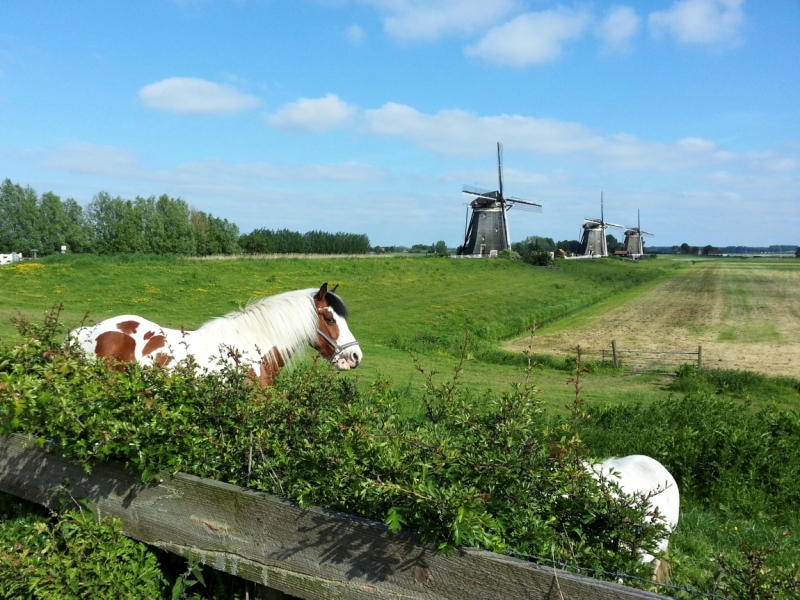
{"x":738,"y":383}
{"x":720,"y":452}
{"x":72,"y":555}
{"x":495,"y":478}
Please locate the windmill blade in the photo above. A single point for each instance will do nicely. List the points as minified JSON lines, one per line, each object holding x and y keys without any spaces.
{"x":646,"y":232}
{"x":615,"y":225}
{"x":500,"y":167}
{"x":525,"y":205}
{"x":476,"y":191}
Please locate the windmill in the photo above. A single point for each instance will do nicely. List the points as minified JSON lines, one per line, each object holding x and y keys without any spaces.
{"x":633,"y":238}
{"x":487,"y":231}
{"x":593,"y":236}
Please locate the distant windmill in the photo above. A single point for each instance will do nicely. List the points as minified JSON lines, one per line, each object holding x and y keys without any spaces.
{"x":633,"y":238}
{"x":487,"y":230}
{"x":593,"y":236}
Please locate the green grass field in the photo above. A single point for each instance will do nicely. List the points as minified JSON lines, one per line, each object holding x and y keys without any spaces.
{"x":397,"y":304}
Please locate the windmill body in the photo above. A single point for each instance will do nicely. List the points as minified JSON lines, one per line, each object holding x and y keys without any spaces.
{"x":634,"y":245}
{"x":593,"y":235}
{"x":593,"y":239}
{"x":487,"y":227}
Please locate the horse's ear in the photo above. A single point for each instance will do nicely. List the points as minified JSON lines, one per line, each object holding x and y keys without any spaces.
{"x":323,"y":291}
{"x":333,"y":291}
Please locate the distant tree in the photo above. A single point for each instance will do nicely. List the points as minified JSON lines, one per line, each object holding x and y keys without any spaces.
{"x":284,"y":241}
{"x":797,"y":252}
{"x":78,"y":235}
{"x":117,"y":224}
{"x":686,"y":248}
{"x":440,"y":247}
{"x":19,"y":222}
{"x":569,"y":246}
{"x":535,"y":249}
{"x":708,"y":249}
{"x":612,"y":244}
{"x":168,"y":226}
{"x":213,"y":235}
{"x":53,"y":224}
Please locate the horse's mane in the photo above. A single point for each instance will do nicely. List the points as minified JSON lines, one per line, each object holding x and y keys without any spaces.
{"x":287,"y":321}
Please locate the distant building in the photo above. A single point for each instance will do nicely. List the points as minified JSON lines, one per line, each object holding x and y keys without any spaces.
{"x":7,"y":259}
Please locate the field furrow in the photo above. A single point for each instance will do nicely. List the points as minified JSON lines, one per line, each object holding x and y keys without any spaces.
{"x":745,"y":315}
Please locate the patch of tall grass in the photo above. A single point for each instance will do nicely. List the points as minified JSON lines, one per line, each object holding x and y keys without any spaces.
{"x":738,"y":471}
{"x":741,"y":384}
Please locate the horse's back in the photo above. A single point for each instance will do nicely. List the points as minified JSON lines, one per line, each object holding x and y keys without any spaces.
{"x":131,"y":338}
{"x":642,"y":474}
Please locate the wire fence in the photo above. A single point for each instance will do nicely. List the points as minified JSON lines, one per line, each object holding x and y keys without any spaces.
{"x":650,"y":361}
{"x":613,"y":575}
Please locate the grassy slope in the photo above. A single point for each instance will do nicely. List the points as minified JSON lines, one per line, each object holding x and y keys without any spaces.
{"x":396,"y":304}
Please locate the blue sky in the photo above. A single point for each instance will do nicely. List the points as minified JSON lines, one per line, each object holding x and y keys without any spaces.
{"x":366,"y":116}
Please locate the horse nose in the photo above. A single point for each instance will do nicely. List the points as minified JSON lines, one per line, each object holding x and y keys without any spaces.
{"x":355,"y":357}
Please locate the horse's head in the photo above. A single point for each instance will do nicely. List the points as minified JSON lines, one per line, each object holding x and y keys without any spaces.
{"x":334,"y":340}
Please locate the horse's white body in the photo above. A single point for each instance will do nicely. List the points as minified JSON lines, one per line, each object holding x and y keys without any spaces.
{"x":277,"y":327}
{"x":639,"y":474}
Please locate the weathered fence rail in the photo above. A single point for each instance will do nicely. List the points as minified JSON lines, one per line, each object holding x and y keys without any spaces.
{"x":306,"y":552}
{"x":650,"y":361}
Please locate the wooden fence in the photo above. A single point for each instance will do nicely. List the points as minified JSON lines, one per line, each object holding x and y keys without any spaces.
{"x":651,"y":361}
{"x":305,"y":552}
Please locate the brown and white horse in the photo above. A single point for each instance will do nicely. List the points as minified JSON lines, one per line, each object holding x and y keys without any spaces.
{"x":267,"y":333}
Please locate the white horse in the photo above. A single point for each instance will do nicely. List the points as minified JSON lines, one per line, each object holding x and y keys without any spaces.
{"x":266,"y":334}
{"x":639,"y":474}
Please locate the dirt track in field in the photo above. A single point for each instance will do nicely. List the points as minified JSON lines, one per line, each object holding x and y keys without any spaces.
{"x":745,"y":315}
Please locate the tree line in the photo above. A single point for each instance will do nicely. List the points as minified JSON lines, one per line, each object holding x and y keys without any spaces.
{"x":283,"y":241}
{"x":30,"y":223}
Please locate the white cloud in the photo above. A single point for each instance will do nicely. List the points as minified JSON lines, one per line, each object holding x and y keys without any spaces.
{"x":110,"y":161}
{"x":82,"y":158}
{"x":699,"y":21}
{"x":531,"y":38}
{"x":354,"y":34}
{"x":779,"y":189}
{"x":313,"y":114}
{"x":427,"y":20}
{"x":461,"y":133}
{"x":458,"y":132}
{"x":511,"y":176}
{"x":190,"y":95}
{"x":619,"y":26}
{"x":770,"y":161}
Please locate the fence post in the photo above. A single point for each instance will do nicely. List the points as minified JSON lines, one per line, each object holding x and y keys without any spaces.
{"x":699,"y":357}
{"x":614,"y":352}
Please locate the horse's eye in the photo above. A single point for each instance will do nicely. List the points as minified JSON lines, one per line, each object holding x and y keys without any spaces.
{"x":330,"y":320}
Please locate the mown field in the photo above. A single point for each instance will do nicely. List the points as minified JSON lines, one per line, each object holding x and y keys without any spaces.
{"x":735,"y":454}
{"x":744,"y":312}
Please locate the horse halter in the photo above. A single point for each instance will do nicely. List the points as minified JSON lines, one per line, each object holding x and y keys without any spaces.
{"x":338,"y":350}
